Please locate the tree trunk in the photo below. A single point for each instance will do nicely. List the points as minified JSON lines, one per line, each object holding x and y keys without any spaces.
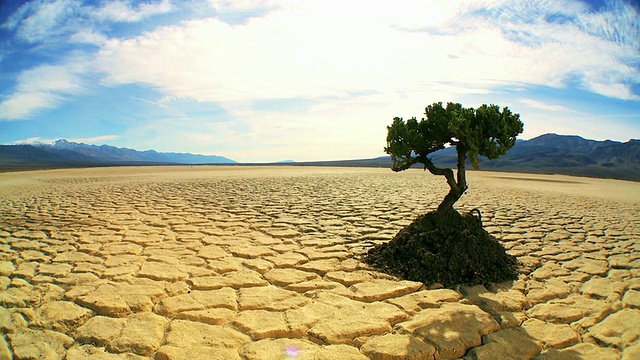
{"x":457,"y":188}
{"x":446,"y":205}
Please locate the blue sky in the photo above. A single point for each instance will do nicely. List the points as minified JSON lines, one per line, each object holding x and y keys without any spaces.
{"x":261,"y":81}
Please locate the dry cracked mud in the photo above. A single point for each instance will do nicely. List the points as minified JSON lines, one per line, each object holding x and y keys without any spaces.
{"x":262,"y":263}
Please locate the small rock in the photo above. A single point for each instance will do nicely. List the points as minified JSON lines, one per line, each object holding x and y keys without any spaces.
{"x":217,"y":316}
{"x":417,"y":301}
{"x":212,"y":252}
{"x":632,"y":352}
{"x":233,"y":279}
{"x":6,"y":268}
{"x":506,"y":344}
{"x":99,"y":330}
{"x":452,"y":329}
{"x":121,"y":248}
{"x":118,"y":299}
{"x":317,"y":285}
{"x":284,"y":277}
{"x":348,"y":278}
{"x":55,"y":269}
{"x":321,"y":267}
{"x":539,"y":292}
{"x":548,"y":270}
{"x":74,"y":257}
{"x":340,"y":352}
{"x":270,"y":298}
{"x":602,"y":288}
{"x":188,"y":335}
{"x":556,"y":312}
{"x":589,"y":266}
{"x":287,"y":259}
{"x":618,"y":330}
{"x":19,"y":297}
{"x":259,"y":265}
{"x":159,"y":271}
{"x":251,"y":252}
{"x":382,"y":289}
{"x":39,"y":344}
{"x":141,"y":333}
{"x":347,"y":319}
{"x":7,"y":324}
{"x":510,"y":319}
{"x":551,"y":335}
{"x":397,"y":347}
{"x":495,"y":302}
{"x":580,"y":351}
{"x":277,"y":349}
{"x":64,"y":316}
{"x":631,"y":299}
{"x":84,"y":352}
{"x":261,"y":324}
{"x":5,"y":351}
{"x":302,"y":319}
{"x":170,"y":352}
{"x":197,"y":300}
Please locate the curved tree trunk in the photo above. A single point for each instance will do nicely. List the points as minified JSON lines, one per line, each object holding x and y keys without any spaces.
{"x":457,"y":185}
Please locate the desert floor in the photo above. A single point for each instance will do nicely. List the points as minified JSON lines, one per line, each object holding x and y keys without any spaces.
{"x":262,"y":263}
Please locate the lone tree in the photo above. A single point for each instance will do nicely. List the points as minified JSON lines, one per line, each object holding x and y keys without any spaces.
{"x":485,"y":131}
{"x":445,"y":246}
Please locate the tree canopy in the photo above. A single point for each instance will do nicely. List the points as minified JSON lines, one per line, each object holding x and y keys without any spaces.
{"x":486,"y":131}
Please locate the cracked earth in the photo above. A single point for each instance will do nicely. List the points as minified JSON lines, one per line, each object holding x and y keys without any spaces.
{"x":262,"y":263}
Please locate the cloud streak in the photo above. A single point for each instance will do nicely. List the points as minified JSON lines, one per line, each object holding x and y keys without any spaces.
{"x":42,"y":87}
{"x":543,"y":106}
{"x":123,"y":11}
{"x":37,"y":21}
{"x":91,"y":140}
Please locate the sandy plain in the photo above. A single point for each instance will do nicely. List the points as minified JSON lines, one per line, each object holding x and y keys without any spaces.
{"x":262,"y":263}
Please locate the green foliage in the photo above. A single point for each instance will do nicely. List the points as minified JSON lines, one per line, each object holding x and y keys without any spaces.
{"x":486,"y":131}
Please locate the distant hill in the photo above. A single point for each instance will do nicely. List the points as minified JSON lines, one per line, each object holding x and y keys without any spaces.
{"x":549,"y":153}
{"x":63,"y":153}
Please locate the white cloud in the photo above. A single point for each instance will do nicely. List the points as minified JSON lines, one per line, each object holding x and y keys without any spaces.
{"x":57,"y":78}
{"x":543,"y":106}
{"x":588,"y":126}
{"x":31,"y":140}
{"x":357,"y":63}
{"x":123,"y":11}
{"x":88,"y":36}
{"x":41,"y":21}
{"x":55,"y":22}
{"x":95,"y":139}
{"x":21,"y":105}
{"x":90,"y":140}
{"x":330,"y":48}
{"x":240,"y":5}
{"x":38,"y":20}
{"x":362,"y":63}
{"x":42,"y":87}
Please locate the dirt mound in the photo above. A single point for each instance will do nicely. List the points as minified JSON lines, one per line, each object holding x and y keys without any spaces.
{"x":450,"y":250}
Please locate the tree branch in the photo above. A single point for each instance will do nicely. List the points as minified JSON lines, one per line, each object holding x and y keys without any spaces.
{"x":447,"y":173}
{"x":402,"y":165}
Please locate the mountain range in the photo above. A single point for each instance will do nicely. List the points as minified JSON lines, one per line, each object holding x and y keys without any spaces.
{"x":63,"y":153}
{"x":549,"y":153}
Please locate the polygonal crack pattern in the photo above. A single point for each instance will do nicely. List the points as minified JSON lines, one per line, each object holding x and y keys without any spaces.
{"x":258,"y":263}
